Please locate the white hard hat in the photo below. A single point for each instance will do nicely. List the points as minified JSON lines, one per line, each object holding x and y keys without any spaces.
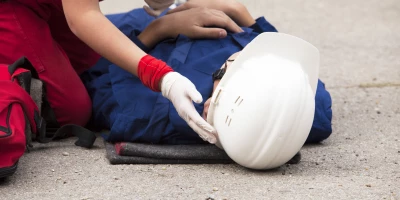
{"x":264,"y":106}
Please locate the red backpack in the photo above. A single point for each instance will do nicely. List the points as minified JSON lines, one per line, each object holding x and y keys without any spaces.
{"x":20,"y":120}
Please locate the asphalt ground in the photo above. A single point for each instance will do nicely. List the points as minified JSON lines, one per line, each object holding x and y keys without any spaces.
{"x":360,"y":65}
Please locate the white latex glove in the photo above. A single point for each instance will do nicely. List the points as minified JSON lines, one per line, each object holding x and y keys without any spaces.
{"x":182,"y":92}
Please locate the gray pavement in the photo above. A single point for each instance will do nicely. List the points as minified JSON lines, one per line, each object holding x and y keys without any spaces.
{"x":360,"y":47}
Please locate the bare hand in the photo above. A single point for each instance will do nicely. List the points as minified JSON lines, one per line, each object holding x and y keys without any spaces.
{"x":225,"y":6}
{"x":234,"y":9}
{"x":194,"y":23}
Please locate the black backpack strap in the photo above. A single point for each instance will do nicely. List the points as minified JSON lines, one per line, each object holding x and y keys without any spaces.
{"x":23,"y":62}
{"x":86,"y":138}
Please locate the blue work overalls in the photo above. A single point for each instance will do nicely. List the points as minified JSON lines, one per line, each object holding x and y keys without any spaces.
{"x":134,"y":113}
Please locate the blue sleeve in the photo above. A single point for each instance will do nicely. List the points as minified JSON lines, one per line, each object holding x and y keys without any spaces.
{"x":322,"y":124}
{"x":134,"y":39}
{"x":262,"y":25}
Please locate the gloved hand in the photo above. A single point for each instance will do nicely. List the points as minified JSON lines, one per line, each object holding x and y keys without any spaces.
{"x":158,"y":76}
{"x":182,"y":92}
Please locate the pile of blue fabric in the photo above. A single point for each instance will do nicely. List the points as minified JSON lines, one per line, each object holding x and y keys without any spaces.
{"x":134,"y":113}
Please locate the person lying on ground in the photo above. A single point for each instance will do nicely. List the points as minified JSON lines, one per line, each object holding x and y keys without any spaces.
{"x":133,"y":113}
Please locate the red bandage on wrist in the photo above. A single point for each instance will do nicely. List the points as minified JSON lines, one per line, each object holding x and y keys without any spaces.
{"x":151,"y":70}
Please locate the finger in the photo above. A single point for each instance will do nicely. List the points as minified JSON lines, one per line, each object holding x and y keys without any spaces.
{"x":198,"y":124}
{"x":205,"y":109}
{"x":194,"y":95}
{"x":206,"y":136}
{"x":180,"y":8}
{"x":150,"y":11}
{"x":205,"y":115}
{"x":193,"y":115}
{"x":228,"y":22}
{"x":222,"y":20}
{"x":210,"y":33}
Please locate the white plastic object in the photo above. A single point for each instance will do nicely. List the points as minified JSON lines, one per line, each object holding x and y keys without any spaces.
{"x":264,"y":106}
{"x":177,"y":3}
